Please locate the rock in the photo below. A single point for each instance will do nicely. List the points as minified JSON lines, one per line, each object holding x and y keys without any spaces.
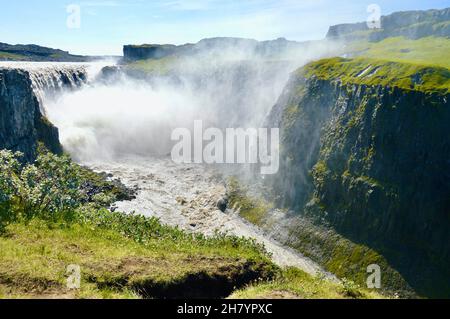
{"x":372,"y":162}
{"x":181,"y":200}
{"x":410,"y":24}
{"x":22,"y":126}
{"x":222,"y":204}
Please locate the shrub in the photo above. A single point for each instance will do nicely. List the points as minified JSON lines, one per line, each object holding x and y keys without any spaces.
{"x":9,"y":183}
{"x":49,"y":189}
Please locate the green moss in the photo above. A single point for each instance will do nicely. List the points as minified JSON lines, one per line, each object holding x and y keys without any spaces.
{"x":290,"y":115}
{"x":374,"y":72}
{"x":12,"y":56}
{"x":296,"y":284}
{"x":319,"y":172}
{"x":161,"y":66}
{"x":344,"y":258}
{"x":253,"y":209}
{"x":433,"y":51}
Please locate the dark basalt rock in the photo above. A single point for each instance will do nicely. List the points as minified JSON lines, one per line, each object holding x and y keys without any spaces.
{"x":22,"y":126}
{"x":222,"y":204}
{"x":373,"y":162}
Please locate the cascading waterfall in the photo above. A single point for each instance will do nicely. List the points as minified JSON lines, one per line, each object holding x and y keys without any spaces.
{"x":49,"y":79}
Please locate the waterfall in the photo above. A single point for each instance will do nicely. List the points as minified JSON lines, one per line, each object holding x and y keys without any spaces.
{"x":50,"y":79}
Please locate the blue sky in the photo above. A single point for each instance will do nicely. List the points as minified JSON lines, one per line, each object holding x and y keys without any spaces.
{"x":108,"y":24}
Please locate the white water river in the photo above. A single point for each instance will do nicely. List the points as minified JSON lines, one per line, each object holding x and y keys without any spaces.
{"x":186,"y":195}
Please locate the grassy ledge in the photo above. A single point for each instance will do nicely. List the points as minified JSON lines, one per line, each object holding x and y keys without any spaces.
{"x":433,"y":51}
{"x":160,"y":67}
{"x":293,"y":283}
{"x":253,"y":209}
{"x":163,"y":263}
{"x":374,"y":72}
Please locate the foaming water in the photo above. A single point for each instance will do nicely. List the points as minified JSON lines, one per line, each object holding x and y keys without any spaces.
{"x":103,"y":121}
{"x":186,"y":195}
{"x":109,"y":118}
{"x":52,"y":79}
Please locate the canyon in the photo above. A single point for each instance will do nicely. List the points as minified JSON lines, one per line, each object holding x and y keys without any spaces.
{"x":364,"y":143}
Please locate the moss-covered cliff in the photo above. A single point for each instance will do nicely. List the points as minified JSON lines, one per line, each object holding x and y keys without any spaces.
{"x":366,"y":148}
{"x":22,"y":126}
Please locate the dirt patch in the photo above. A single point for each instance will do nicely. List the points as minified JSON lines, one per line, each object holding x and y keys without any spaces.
{"x":280,"y":294}
{"x":209,"y":277}
{"x":34,"y":288}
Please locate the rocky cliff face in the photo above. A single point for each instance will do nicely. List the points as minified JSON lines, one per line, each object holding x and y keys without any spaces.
{"x":410,"y":24}
{"x":373,"y":162}
{"x":22,"y":125}
{"x":23,"y":89}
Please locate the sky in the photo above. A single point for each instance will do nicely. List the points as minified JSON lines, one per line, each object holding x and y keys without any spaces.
{"x":102,"y":27}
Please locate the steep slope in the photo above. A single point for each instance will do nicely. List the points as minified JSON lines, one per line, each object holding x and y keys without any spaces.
{"x":366,"y":148}
{"x":23,"y":123}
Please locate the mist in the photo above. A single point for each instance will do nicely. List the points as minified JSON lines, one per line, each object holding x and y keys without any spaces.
{"x":224,"y":85}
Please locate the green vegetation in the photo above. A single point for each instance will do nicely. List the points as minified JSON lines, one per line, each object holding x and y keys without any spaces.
{"x":12,"y":56}
{"x":161,"y":66}
{"x":251,"y":208}
{"x":50,"y":220}
{"x":335,"y":253}
{"x":293,"y":283}
{"x":380,"y":72}
{"x":343,"y":257}
{"x":431,"y":51}
{"x":139,"y":258}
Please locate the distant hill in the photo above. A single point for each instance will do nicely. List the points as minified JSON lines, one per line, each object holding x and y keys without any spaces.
{"x":410,"y":24}
{"x":220,"y":45}
{"x":32,"y":52}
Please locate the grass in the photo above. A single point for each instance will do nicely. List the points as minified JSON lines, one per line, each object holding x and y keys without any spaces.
{"x":374,"y":72}
{"x":12,"y":56}
{"x":293,"y":283}
{"x":253,"y":209}
{"x":34,"y":258}
{"x":130,"y":257}
{"x":155,"y":66}
{"x":431,"y":51}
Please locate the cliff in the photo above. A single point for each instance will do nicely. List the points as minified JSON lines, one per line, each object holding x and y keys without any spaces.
{"x":22,"y":125}
{"x":410,"y":24}
{"x":365,"y":148}
{"x":221,"y":46}
{"x":32,"y":52}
